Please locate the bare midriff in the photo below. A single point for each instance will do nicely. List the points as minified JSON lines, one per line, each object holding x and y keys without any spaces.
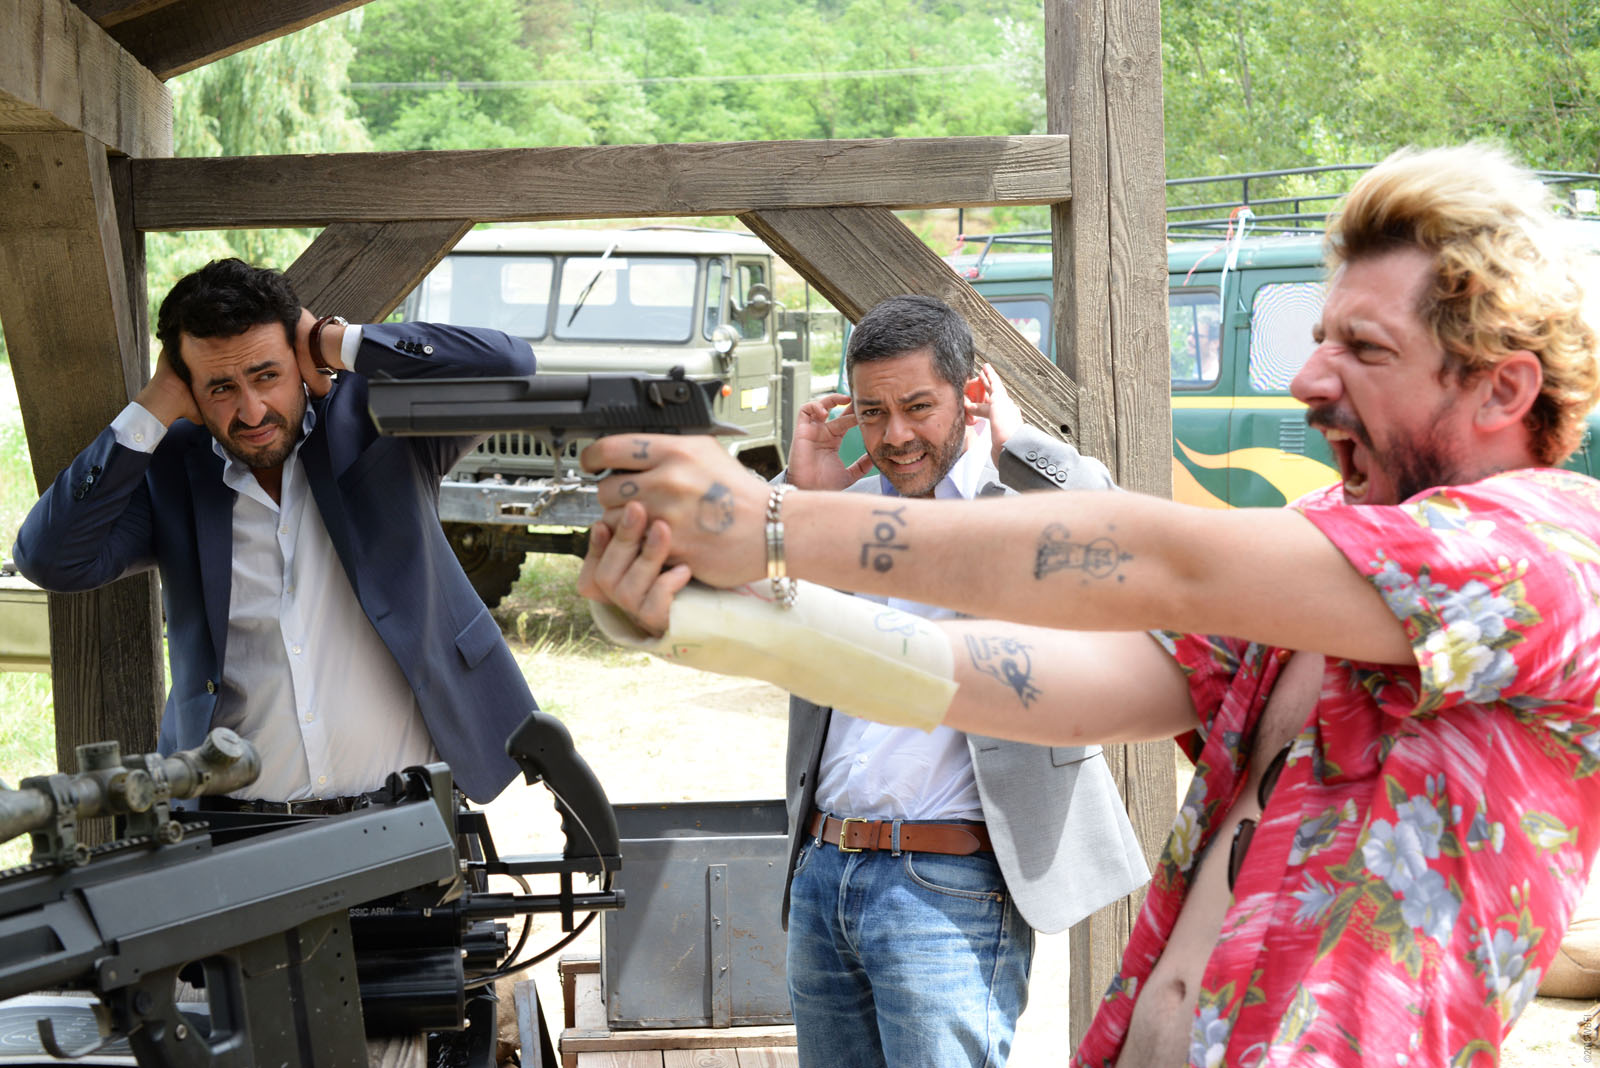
{"x":1158,"y":1034}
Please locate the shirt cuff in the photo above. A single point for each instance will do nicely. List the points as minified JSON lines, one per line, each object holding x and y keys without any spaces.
{"x":137,"y":429}
{"x":348,"y":346}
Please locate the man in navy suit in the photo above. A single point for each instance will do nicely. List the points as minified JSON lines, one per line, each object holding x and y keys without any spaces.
{"x":312,"y":601}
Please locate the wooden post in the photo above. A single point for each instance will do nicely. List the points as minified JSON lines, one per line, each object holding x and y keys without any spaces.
{"x":857,"y":257}
{"x":73,"y":307}
{"x":364,"y":270}
{"x":1103,"y":87}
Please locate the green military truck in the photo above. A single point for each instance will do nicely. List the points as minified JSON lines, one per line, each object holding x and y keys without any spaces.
{"x":1245,"y":288}
{"x":647,"y":299}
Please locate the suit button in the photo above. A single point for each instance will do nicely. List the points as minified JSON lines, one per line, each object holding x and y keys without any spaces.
{"x":80,"y":491}
{"x":1061,"y":477}
{"x":427,"y":350}
{"x":1033,"y":454}
{"x":211,"y":687}
{"x":95,"y":470}
{"x":1051,"y":470}
{"x":1041,"y":463}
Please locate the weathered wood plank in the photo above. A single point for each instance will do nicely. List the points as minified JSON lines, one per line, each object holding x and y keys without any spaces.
{"x":364,"y":270}
{"x":620,"y":1059}
{"x":110,"y":12}
{"x":170,"y":38}
{"x":579,"y":1041}
{"x":72,"y":329}
{"x":768,"y":1058}
{"x":857,"y":257}
{"x":700,"y":1058}
{"x":59,"y":71}
{"x":607,"y":181}
{"x":1102,"y":86}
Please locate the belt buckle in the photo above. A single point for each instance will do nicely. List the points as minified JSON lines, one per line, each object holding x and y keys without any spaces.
{"x":844,"y":827}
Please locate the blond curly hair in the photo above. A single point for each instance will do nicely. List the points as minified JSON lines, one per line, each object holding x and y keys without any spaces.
{"x":1505,"y":278}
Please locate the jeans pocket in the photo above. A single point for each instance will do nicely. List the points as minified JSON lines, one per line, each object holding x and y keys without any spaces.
{"x":807,"y":847}
{"x":975,"y":877}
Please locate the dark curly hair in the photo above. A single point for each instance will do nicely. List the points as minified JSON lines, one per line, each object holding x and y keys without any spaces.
{"x":224,"y":299}
{"x":908,"y":323}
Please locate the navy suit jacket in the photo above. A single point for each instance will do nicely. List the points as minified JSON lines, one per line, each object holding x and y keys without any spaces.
{"x":116,"y":511}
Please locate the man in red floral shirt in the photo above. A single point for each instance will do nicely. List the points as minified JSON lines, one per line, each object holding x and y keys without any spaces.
{"x":1396,"y":747}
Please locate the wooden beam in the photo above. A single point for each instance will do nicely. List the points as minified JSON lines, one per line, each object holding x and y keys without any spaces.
{"x":1103,"y":87}
{"x":857,"y":257}
{"x":107,"y":13}
{"x":170,"y":38}
{"x":59,"y":71}
{"x":364,"y":270}
{"x":604,"y":182}
{"x":74,"y":324}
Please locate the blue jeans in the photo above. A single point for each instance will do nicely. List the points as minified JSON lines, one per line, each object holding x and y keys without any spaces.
{"x":911,"y":961}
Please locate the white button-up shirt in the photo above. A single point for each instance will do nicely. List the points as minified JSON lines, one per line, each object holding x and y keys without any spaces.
{"x":880,"y":772}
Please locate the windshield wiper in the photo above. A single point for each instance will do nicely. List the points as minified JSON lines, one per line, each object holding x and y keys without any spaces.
{"x":600,"y":269}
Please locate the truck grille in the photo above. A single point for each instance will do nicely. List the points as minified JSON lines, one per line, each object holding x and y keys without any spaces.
{"x":526,"y":445}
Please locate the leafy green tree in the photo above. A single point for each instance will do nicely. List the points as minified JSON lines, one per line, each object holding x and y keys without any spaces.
{"x":284,"y":96}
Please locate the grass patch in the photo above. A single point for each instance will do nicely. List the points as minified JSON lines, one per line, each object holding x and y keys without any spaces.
{"x":544,"y":612}
{"x":27,"y":740}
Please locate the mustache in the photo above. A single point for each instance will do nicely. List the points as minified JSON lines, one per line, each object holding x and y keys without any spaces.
{"x":1330,"y":417}
{"x":271,"y":419}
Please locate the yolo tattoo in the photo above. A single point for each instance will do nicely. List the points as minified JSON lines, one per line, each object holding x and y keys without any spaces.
{"x":1005,"y":659}
{"x":1058,"y":552}
{"x":890,"y":522}
{"x":716,"y":509}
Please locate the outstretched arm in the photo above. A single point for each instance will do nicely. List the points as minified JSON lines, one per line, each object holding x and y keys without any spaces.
{"x":1084,"y":561}
{"x":1032,"y":684}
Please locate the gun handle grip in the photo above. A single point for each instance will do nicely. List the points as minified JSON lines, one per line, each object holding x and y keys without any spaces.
{"x":543,"y":748}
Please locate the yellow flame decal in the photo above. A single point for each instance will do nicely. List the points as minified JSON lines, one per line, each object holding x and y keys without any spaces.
{"x":1186,"y":489}
{"x":1291,"y":474}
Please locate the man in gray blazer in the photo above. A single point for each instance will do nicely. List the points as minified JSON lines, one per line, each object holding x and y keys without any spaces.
{"x":921,"y":864}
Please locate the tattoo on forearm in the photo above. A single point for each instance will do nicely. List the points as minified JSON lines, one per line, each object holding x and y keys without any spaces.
{"x":1006,"y":659}
{"x":628,"y":489}
{"x":641,"y":449}
{"x":716,"y":509}
{"x":1058,"y":551}
{"x":878,"y":553}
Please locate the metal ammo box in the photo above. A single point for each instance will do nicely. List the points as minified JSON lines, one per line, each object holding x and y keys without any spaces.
{"x":700,"y":943}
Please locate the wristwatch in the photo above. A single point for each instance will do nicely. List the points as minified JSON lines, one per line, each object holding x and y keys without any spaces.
{"x":315,"y":343}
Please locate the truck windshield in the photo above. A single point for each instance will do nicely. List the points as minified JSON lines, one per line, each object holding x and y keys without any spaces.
{"x":626,"y":298}
{"x":504,"y":292}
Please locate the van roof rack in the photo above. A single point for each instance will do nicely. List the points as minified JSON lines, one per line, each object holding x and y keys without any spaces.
{"x":1277,"y":204}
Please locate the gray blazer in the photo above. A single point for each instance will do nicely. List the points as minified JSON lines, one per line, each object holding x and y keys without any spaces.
{"x":1060,"y":831}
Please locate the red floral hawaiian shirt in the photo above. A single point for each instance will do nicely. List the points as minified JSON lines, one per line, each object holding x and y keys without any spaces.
{"x":1433,"y":826}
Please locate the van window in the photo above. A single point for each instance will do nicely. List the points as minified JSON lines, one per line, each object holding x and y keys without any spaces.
{"x":1194,"y":336}
{"x":1281,"y":318}
{"x":750,"y":274}
{"x":1031,"y":317}
{"x":626,"y":298}
{"x":510,"y":293}
{"x":713,"y":314}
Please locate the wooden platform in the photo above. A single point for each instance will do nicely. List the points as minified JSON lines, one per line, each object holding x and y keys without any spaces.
{"x":587,"y":1043}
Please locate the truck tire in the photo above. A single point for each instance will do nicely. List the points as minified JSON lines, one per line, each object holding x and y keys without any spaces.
{"x":490,"y":571}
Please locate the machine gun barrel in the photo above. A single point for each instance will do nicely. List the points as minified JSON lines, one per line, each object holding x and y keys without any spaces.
{"x":106,"y":784}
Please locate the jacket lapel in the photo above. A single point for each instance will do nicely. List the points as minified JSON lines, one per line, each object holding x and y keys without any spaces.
{"x":213,"y":522}
{"x":320,"y":470}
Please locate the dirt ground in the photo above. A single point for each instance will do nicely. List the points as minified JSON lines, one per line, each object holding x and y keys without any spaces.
{"x":658,"y":732}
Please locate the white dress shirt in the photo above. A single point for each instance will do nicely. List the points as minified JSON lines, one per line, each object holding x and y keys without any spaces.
{"x":880,"y":772}
{"x":306,"y":677}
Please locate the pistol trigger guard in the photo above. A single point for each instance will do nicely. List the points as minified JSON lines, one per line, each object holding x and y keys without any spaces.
{"x":47,"y":1038}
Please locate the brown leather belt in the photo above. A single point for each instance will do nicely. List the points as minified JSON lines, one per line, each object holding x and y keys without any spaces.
{"x":853,"y":834}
